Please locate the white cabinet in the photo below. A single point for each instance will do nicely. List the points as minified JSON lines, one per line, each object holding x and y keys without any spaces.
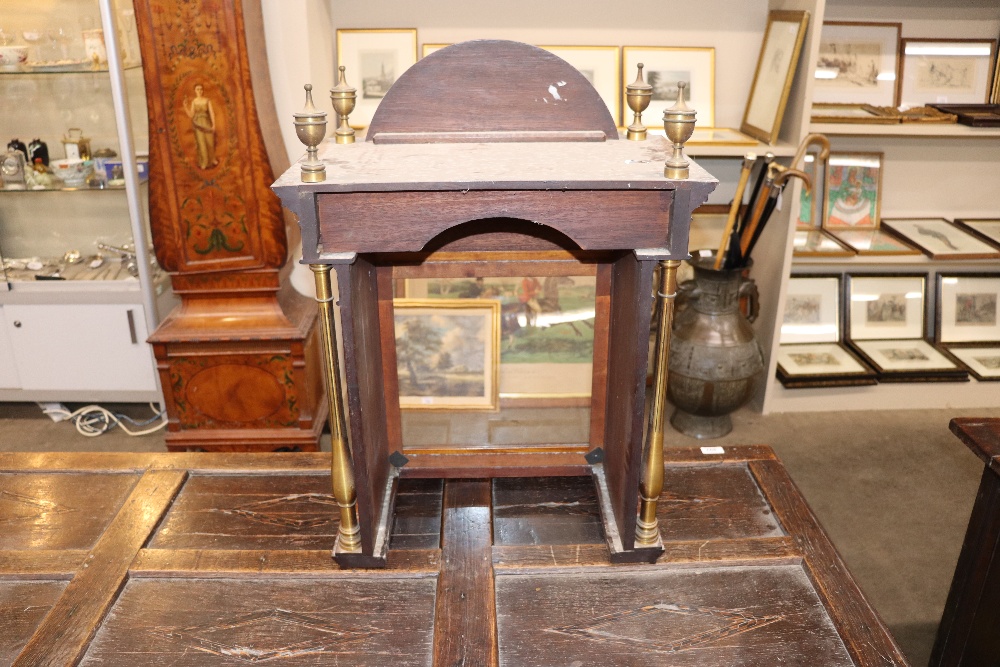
{"x":66,"y":292}
{"x":80,"y":348}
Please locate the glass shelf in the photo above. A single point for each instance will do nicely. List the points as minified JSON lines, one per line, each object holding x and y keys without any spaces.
{"x":67,"y":188}
{"x":68,"y":68}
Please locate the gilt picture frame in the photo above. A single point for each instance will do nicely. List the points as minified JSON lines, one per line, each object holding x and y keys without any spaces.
{"x":772,"y":80}
{"x":374,"y":59}
{"x":447,"y":353}
{"x":946,"y":71}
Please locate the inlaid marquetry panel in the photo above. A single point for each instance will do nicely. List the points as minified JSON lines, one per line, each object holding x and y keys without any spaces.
{"x":23,"y":605}
{"x":713,"y":502}
{"x":54,"y":511}
{"x":334,"y":621}
{"x":750,"y":616}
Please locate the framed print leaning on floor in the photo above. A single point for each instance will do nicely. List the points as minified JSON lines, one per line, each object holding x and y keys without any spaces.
{"x":663,"y":67}
{"x":374,"y":60}
{"x":772,"y":82}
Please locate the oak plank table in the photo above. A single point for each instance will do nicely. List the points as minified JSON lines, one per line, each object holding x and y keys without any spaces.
{"x":225,"y":559}
{"x":968,"y":634}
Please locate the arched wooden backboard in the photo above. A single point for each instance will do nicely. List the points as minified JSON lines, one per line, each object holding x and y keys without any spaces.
{"x":491,"y":90}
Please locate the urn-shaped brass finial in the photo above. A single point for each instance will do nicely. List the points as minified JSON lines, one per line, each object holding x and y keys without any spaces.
{"x":310,"y":127}
{"x":344,"y":98}
{"x":678,"y":123}
{"x":638,"y":94}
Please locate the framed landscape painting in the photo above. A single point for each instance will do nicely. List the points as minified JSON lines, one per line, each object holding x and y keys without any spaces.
{"x":447,"y":353}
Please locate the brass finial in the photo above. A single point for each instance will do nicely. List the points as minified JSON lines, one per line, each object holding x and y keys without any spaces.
{"x":344,"y":98}
{"x":638,"y":95}
{"x":678,"y":123}
{"x":310,"y":127}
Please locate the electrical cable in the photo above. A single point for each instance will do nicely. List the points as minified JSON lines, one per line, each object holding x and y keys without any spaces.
{"x":94,"y":420}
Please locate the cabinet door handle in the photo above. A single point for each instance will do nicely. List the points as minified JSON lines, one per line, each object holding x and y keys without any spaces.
{"x":17,"y":324}
{"x":131,"y":326}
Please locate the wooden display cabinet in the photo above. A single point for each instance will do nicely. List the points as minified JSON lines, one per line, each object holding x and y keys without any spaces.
{"x":463,"y":174}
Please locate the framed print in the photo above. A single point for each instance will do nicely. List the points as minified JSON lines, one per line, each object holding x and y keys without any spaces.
{"x":812,"y":310}
{"x":987,"y":229}
{"x":865,"y":114}
{"x":547,"y":328}
{"x":808,"y":216}
{"x":973,"y":115}
{"x":982,"y":362}
{"x":873,"y":242}
{"x":857,"y":63}
{"x":772,"y":81}
{"x":374,"y":60}
{"x":427,"y":49}
{"x":852,"y":190}
{"x":817,"y":243}
{"x":821,"y":365}
{"x":663,"y":67}
{"x":939,"y":239}
{"x":601,"y":66}
{"x":967,"y":308}
{"x":447,"y":353}
{"x":885,"y":306}
{"x":719,"y":136}
{"x":946,"y":71}
{"x":908,"y":358}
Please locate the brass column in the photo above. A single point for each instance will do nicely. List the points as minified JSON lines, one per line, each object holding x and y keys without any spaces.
{"x":647,"y":532}
{"x":349,"y":539}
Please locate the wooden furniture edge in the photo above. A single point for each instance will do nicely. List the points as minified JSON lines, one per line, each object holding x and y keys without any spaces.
{"x":862,"y":630}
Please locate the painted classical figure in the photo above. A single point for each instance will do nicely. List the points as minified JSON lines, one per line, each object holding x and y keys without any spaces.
{"x":202,"y":116}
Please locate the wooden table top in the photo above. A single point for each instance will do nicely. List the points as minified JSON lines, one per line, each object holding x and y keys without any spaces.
{"x":982,"y":436}
{"x":224,"y":559}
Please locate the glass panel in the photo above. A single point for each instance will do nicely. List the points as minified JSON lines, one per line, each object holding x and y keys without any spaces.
{"x":542,"y":329}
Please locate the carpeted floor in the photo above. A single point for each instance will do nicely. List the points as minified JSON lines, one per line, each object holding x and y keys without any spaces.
{"x":893,"y":489}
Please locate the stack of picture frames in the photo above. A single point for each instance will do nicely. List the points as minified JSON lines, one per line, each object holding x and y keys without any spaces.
{"x":885,"y":319}
{"x":868,"y":73}
{"x":849,"y":221}
{"x":811,"y":352}
{"x":968,"y":327}
{"x":376,"y":58}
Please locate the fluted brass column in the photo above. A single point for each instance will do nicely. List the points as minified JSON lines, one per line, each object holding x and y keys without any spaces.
{"x":647,"y":531}
{"x":349,"y":538}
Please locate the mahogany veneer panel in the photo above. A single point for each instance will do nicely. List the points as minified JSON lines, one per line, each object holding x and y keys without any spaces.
{"x":657,"y":616}
{"x":334,"y":621}
{"x":23,"y":605}
{"x":54,"y":511}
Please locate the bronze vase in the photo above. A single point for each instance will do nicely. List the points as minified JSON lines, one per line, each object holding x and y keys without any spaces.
{"x":715,"y":362}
